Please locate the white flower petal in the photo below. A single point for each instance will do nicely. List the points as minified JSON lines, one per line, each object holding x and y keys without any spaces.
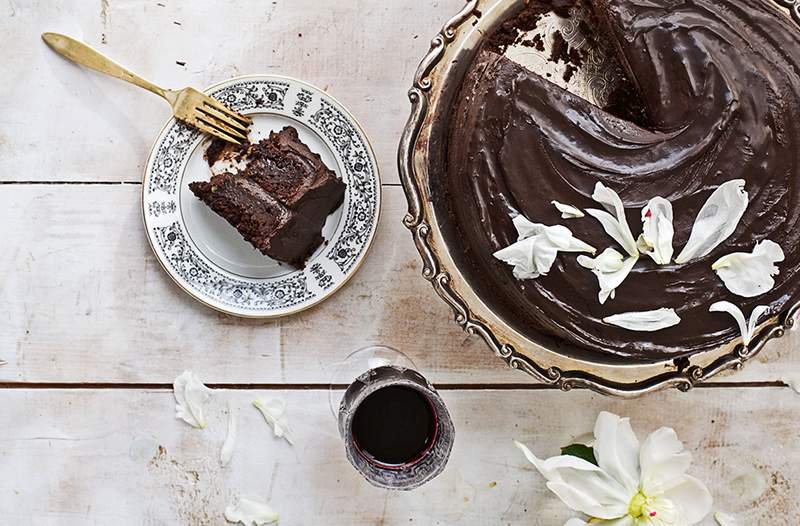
{"x":561,"y":237}
{"x":250,"y":513}
{"x":525,"y":228}
{"x":663,"y":462}
{"x":611,"y":270}
{"x":627,"y":520}
{"x":750,"y":275}
{"x":581,"y":485}
{"x":226,"y":453}
{"x":584,"y":502}
{"x":755,"y":316}
{"x":716,"y":221}
{"x":693,"y":499}
{"x":537,"y":247}
{"x":530,"y":257}
{"x":656,"y":238}
{"x":615,"y":230}
{"x":615,"y":224}
{"x":747,"y":330}
{"x":723,"y":519}
{"x":646,"y":321}
{"x":190,"y":395}
{"x":274,"y":412}
{"x":616,"y":449}
{"x":568,"y":211}
{"x":536,"y":461}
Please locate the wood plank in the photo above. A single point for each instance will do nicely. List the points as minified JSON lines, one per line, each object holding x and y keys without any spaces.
{"x":340,"y":46}
{"x":85,"y":301}
{"x":93,"y":458}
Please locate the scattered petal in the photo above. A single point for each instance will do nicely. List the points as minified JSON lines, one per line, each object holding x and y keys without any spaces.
{"x":611,"y":269}
{"x":647,"y":321}
{"x":230,"y":438}
{"x":747,"y":329}
{"x":750,"y":275}
{"x":716,"y":221}
{"x":568,"y":211}
{"x":250,"y":513}
{"x":615,"y":223}
{"x":723,"y":519}
{"x":274,"y":412}
{"x":190,"y":395}
{"x":656,"y":238}
{"x":537,"y":247}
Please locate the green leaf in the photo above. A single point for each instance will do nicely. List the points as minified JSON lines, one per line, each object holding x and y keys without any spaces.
{"x":580,"y":451}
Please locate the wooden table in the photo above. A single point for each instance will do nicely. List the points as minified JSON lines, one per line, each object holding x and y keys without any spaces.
{"x":94,"y":331}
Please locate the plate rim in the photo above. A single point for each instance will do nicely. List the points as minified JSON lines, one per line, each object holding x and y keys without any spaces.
{"x":325,"y":294}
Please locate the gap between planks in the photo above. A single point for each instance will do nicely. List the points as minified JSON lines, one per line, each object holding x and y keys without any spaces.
{"x":322,"y":386}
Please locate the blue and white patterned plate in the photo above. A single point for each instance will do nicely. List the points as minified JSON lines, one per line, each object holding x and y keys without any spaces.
{"x":207,"y":257}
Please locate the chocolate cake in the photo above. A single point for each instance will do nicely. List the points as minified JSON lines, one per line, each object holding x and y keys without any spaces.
{"x":719,"y":84}
{"x":277,"y":193}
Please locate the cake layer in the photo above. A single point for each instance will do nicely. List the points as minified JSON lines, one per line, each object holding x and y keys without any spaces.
{"x":294,"y":180}
{"x":721,"y":85}
{"x":265,"y":222}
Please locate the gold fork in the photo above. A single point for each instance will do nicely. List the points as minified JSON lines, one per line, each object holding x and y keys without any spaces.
{"x":188,"y":105}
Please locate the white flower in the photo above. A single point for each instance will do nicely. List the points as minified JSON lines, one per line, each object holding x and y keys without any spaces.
{"x":716,"y":221}
{"x":750,"y":275}
{"x":647,"y":321}
{"x":615,"y":225}
{"x":748,"y":329}
{"x":633,"y":484}
{"x":656,"y":238}
{"x":723,"y":519}
{"x":250,"y":513}
{"x":190,"y":395}
{"x":537,"y":247}
{"x":274,"y":412}
{"x":611,"y":269}
{"x":568,"y":211}
{"x":226,"y":453}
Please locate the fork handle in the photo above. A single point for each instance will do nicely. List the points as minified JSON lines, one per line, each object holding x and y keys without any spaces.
{"x":84,"y":55}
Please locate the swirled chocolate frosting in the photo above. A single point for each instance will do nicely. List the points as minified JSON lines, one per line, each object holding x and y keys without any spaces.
{"x":719,"y":81}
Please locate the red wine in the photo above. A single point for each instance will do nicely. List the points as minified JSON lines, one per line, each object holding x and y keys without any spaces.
{"x":394,"y":426}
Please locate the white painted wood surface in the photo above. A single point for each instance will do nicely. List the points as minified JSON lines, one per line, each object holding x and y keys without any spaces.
{"x":88,"y":302}
{"x":363,"y":52}
{"x":84,"y":302}
{"x":92,"y":457}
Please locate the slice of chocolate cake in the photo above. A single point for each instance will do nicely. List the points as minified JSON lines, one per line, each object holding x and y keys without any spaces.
{"x":277,"y":193}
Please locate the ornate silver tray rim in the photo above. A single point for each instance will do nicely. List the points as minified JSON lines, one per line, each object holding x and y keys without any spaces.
{"x":439,"y":71}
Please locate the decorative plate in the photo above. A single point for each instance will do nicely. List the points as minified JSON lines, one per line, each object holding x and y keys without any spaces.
{"x":207,"y":257}
{"x":437,"y":79}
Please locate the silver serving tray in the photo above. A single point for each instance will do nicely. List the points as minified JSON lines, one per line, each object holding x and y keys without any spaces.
{"x":437,"y":80}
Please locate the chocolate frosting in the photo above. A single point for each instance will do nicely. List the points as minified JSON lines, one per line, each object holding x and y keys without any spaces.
{"x":720,"y":81}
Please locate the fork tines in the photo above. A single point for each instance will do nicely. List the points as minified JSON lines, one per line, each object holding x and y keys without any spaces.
{"x":217,"y":119}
